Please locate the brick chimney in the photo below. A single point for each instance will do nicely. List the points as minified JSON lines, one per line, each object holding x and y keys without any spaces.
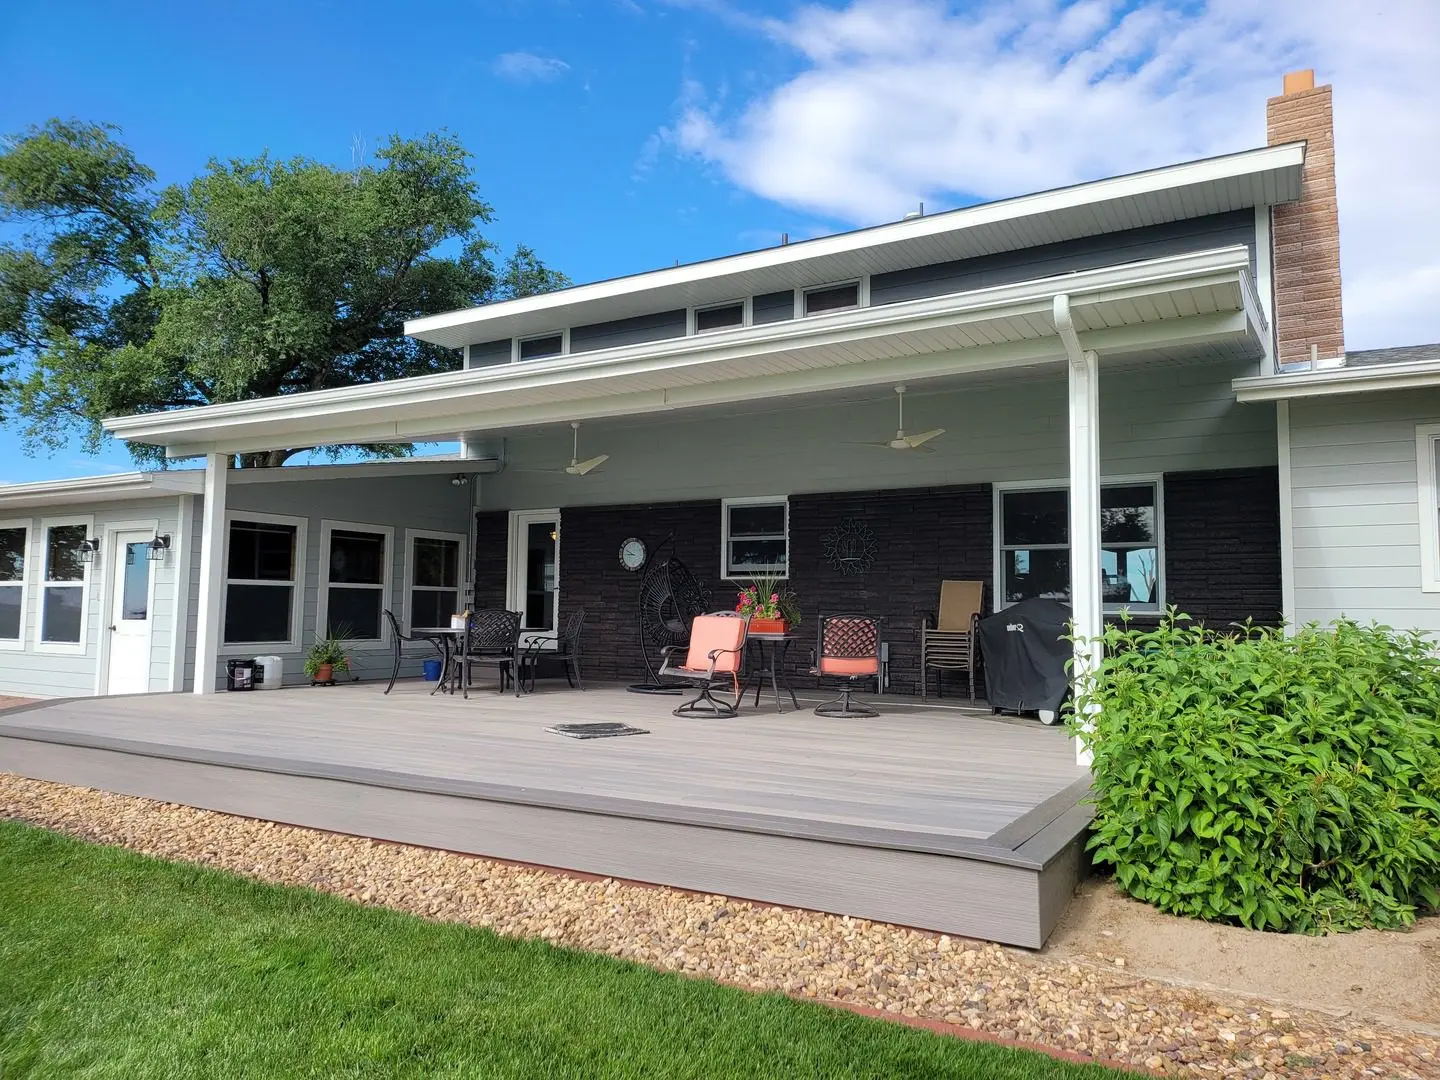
{"x":1305,"y":235}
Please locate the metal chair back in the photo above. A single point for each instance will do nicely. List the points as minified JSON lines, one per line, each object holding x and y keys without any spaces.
{"x":495,"y":632}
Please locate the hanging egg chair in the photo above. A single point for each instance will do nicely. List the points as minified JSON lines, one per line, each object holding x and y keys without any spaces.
{"x":670,"y":598}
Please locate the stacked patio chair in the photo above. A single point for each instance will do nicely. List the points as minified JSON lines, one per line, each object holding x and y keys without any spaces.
{"x":492,"y":639}
{"x":848,"y":650}
{"x":712,"y":660}
{"x":949,"y":645}
{"x":566,"y":651}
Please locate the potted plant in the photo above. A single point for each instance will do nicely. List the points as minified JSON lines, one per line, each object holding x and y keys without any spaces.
{"x":325,"y":660}
{"x":772,"y":607}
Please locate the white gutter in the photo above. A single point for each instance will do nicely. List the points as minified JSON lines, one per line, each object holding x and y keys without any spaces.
{"x":130,"y":485}
{"x":678,"y":360}
{"x":1416,"y":375}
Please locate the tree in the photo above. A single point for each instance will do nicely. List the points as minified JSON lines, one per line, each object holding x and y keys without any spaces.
{"x":259,"y":277}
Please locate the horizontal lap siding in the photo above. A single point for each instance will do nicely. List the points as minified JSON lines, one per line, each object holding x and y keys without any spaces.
{"x":1355,"y":509}
{"x":488,"y":353}
{"x":415,"y":502}
{"x":633,"y":331}
{"x":49,"y":674}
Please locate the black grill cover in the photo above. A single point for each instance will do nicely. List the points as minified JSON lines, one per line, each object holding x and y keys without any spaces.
{"x":1025,"y":656}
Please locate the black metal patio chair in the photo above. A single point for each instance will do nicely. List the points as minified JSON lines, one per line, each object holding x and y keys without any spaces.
{"x":492,"y":639}
{"x":566,"y":651}
{"x":848,"y":650}
{"x":398,"y":638}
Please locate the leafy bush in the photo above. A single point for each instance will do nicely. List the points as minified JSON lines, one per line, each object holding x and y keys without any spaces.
{"x":1281,"y":783}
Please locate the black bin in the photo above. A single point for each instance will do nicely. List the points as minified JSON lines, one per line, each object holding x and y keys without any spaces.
{"x":240,"y":675}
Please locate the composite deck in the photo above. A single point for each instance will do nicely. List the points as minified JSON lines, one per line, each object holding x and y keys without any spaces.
{"x":944,"y":818}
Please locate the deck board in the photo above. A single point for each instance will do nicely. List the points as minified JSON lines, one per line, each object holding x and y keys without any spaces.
{"x":953,"y":772}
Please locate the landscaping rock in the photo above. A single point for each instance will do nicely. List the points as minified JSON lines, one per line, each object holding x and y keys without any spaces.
{"x":1092,"y":1007}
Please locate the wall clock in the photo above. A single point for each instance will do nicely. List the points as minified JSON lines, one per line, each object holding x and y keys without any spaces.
{"x":633,"y":554}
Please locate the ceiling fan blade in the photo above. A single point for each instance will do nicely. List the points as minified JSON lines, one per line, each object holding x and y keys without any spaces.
{"x":916,"y":441}
{"x":580,"y":468}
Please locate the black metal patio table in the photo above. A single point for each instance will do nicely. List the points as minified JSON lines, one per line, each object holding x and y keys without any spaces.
{"x":779,"y":647}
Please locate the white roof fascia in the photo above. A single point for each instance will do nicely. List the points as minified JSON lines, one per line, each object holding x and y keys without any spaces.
{"x":1360,"y":380}
{"x":111,"y":487}
{"x":322,"y":413}
{"x":1120,"y":191}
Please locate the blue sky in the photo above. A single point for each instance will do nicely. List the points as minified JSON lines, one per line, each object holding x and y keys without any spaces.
{"x":622,"y":135}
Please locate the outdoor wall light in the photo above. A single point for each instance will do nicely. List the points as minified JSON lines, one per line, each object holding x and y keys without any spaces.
{"x":89,"y":548}
{"x":459,"y":480}
{"x":158,"y":547}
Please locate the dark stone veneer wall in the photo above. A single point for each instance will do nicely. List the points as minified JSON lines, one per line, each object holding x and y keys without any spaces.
{"x":1222,"y":559}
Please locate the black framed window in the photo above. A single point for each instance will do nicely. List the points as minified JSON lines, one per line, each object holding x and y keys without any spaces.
{"x":537,"y":348}
{"x":756,"y":537}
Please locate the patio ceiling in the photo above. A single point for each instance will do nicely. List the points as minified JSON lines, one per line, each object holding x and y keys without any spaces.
{"x":1261,"y":177}
{"x":1202,"y":303}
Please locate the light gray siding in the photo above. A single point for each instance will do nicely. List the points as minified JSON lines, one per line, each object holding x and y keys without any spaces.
{"x":773,"y":307}
{"x":1153,"y":420}
{"x":1070,"y":256}
{"x":42,"y":671}
{"x":641,"y":328}
{"x":1355,"y":509}
{"x":428,"y":502}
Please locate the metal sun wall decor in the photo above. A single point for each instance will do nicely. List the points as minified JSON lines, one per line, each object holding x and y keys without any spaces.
{"x":849,"y":547}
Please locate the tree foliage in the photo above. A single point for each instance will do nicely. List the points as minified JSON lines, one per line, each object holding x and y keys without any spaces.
{"x":258,"y":277}
{"x":1280,"y":782}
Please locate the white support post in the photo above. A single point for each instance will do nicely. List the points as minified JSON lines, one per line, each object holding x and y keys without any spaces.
{"x":1085,"y":595}
{"x":212,"y":572}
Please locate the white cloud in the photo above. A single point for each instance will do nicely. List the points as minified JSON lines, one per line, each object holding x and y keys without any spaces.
{"x":902,"y":100}
{"x":527,"y":67}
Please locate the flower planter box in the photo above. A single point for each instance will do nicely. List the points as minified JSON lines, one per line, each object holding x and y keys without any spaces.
{"x":767,"y":626}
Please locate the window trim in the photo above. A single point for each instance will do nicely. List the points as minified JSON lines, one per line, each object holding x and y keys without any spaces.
{"x":17,"y":643}
{"x":564,"y":345}
{"x":862,"y":296}
{"x":462,"y":575}
{"x":691,"y":313}
{"x":387,"y":578}
{"x":726,"y":574}
{"x":997,"y":566}
{"x":302,"y":575}
{"x":1427,"y":436}
{"x":64,"y":648}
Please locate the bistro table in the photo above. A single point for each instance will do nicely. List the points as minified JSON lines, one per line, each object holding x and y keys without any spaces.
{"x":779,"y":647}
{"x":444,"y":639}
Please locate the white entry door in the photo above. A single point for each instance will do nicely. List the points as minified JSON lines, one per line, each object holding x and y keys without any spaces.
{"x":130,"y":602}
{"x":535,"y":571}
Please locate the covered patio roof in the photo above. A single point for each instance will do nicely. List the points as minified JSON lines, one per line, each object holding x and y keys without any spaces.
{"x":1200,"y":304}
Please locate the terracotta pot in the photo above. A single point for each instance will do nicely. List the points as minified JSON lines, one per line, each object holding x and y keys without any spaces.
{"x":767,"y":626}
{"x":325,"y":673}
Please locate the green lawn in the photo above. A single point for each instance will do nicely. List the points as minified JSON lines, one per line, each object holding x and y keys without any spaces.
{"x":117,"y":965}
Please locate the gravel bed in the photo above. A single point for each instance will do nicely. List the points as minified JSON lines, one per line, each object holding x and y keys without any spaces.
{"x":1095,"y":1009}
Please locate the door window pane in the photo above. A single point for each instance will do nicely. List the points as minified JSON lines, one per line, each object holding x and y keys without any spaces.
{"x":135,"y":590}
{"x":260,"y":551}
{"x":62,"y":553}
{"x":12,"y":554}
{"x":1035,"y":517}
{"x":10,"y":596}
{"x":257,"y":614}
{"x":357,"y":558}
{"x":437,"y":562}
{"x":540,"y":575}
{"x":62,"y":613}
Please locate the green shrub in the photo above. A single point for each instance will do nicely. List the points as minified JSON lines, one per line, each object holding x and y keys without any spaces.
{"x":1281,"y":783}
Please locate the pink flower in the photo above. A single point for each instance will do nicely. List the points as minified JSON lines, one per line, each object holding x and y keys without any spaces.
{"x":774,"y":598}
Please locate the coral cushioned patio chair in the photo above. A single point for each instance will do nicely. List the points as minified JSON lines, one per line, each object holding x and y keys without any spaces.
{"x":949,"y":645}
{"x":849,"y":650}
{"x":712,"y":659}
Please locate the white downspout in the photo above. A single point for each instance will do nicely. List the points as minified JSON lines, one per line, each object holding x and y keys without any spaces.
{"x":1084,"y":424}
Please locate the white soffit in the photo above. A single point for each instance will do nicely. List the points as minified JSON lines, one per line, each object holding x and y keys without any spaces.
{"x":1202,"y":298}
{"x":1239,"y":181}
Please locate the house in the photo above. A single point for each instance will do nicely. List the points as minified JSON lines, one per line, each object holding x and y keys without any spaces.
{"x":1103,"y":360}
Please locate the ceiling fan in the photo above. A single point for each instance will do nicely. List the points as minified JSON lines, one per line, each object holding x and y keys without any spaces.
{"x":901,"y":441}
{"x":576,"y":466}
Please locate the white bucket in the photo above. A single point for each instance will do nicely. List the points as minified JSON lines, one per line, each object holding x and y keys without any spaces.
{"x":269,"y":672}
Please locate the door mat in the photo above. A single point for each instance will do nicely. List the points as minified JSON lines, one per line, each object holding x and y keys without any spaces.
{"x":595,"y":731}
